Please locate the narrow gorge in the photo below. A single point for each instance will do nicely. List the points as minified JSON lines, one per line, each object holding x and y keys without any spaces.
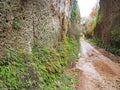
{"x":37,"y":41}
{"x":42,"y":45}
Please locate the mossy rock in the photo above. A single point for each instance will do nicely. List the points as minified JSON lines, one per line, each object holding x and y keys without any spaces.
{"x":115,"y":34}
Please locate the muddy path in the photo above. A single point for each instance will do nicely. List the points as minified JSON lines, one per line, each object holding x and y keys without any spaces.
{"x":96,"y":71}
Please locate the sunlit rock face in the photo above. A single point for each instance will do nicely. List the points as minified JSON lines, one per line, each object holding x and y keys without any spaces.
{"x":28,"y":23}
{"x":108,"y":27}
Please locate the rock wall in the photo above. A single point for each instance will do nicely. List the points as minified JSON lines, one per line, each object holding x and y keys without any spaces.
{"x":28,"y":23}
{"x":108,"y":27}
{"x":74,"y":28}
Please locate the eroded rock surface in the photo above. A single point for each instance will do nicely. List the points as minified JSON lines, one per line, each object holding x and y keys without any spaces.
{"x":108,"y":27}
{"x":28,"y":23}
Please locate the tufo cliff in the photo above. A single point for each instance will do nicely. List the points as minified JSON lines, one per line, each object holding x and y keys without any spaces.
{"x":28,"y":23}
{"x":108,"y":25}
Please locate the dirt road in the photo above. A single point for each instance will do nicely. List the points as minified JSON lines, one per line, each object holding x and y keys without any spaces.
{"x":97,"y":72}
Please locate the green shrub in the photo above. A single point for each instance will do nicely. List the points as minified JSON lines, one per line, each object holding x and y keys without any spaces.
{"x":100,"y":43}
{"x":44,"y":69}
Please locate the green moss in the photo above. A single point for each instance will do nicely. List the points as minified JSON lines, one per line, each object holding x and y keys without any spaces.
{"x":113,"y":49}
{"x":44,"y":69}
{"x":74,"y":11}
{"x":115,"y":34}
{"x":15,"y":24}
{"x":98,"y":18}
{"x":96,"y":21}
